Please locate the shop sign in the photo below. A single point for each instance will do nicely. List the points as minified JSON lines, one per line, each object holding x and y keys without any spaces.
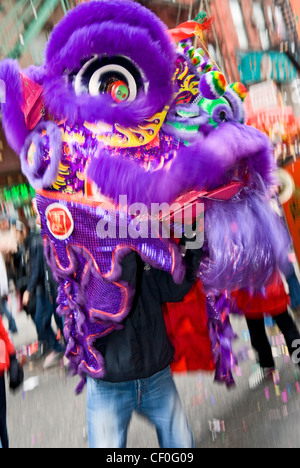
{"x":263,"y":96}
{"x":291,"y":202}
{"x":261,"y":66}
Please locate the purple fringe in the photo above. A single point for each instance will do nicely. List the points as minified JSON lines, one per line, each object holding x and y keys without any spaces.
{"x":222,"y":337}
{"x":245,"y":241}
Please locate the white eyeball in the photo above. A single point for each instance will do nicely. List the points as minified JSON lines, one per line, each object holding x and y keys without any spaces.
{"x":117,"y":76}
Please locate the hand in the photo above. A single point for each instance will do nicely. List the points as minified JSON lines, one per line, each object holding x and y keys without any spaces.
{"x":26,"y":297}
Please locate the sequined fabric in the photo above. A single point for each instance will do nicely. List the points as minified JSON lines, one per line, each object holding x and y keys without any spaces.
{"x":92,"y":298}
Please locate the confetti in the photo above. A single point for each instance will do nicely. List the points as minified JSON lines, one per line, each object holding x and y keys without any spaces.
{"x":267,"y":393}
{"x":244,"y":426}
{"x":284,"y":396}
{"x":216,"y":426}
{"x":276,"y":378}
{"x":285,"y":411}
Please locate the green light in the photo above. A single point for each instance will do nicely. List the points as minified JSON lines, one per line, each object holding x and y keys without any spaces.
{"x":19,"y":193}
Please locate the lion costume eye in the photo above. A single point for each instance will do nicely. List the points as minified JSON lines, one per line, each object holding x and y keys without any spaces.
{"x":116,"y":76}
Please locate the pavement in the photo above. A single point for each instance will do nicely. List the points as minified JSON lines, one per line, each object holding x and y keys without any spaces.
{"x":46,"y":413}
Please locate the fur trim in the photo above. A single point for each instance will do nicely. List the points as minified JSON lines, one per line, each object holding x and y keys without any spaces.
{"x":13,"y":121}
{"x":109,"y":28}
{"x":117,"y":11}
{"x":39,"y":174}
{"x":246,"y":241}
{"x":202,"y":165}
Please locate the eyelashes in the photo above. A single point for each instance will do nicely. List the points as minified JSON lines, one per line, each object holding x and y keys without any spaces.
{"x":117,"y":76}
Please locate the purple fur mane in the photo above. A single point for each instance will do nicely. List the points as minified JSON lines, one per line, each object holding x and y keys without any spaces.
{"x":108,"y":28}
{"x":12,"y":116}
{"x":202,"y":165}
{"x":246,"y":241}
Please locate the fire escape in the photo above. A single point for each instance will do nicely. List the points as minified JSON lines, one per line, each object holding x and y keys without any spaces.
{"x":291,"y":46}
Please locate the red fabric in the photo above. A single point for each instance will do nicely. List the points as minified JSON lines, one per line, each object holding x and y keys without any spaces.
{"x":6,"y":349}
{"x":273,"y":302}
{"x":186,"y":324}
{"x":189,"y":29}
{"x":33,"y":102}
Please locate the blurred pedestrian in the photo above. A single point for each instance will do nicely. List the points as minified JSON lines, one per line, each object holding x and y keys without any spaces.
{"x":38,"y":287}
{"x":8,"y":244}
{"x":273,"y":302}
{"x":22,"y":266}
{"x":8,"y":362}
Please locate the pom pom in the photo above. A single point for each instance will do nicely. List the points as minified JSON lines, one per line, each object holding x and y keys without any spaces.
{"x":196,"y":60}
{"x":206,"y":66}
{"x":239,"y":89}
{"x":200,"y":52}
{"x":212,"y":85}
{"x":190,"y":50}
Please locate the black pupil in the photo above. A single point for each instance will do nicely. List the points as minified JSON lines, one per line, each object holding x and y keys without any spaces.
{"x":111,"y":76}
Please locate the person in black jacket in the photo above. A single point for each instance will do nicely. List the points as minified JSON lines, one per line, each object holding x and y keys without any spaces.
{"x":137,"y":359}
{"x":44,"y":291}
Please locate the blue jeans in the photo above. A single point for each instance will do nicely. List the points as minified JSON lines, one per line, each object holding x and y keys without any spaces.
{"x":4,"y":311}
{"x":43,"y":317}
{"x":3,"y":427}
{"x":110,"y":407}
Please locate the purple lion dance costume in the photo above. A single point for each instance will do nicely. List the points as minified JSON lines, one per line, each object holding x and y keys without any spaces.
{"x":120,"y":109}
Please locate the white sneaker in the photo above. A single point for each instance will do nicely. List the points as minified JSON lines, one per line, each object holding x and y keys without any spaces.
{"x":51,"y":359}
{"x":260,"y":376}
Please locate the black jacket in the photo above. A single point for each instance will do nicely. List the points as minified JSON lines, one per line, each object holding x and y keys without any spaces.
{"x":142,"y":347}
{"x":33,"y":273}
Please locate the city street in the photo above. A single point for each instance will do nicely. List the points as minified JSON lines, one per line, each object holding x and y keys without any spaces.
{"x":46,"y":413}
